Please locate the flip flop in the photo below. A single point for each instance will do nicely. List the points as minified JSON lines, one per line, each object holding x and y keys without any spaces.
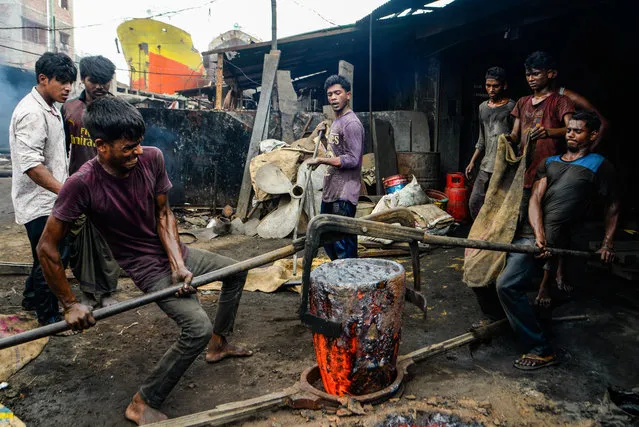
{"x":539,"y":362}
{"x":481,"y":323}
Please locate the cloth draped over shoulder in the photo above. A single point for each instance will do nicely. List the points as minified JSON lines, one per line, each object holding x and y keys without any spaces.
{"x":498,"y":217}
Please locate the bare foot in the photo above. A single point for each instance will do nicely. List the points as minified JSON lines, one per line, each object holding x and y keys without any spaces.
{"x":88,"y":300}
{"x":543,"y":297}
{"x":141,"y":413}
{"x":107,"y":300}
{"x":564,"y":286}
{"x":220,"y":349}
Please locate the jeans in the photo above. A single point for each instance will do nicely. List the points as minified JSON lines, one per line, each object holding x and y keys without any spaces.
{"x":512,"y":285}
{"x":478,"y":195}
{"x":347,"y":247}
{"x":37,"y":295}
{"x":195,"y":323}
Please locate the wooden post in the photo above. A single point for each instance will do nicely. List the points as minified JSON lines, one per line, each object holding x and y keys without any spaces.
{"x":273,"y":25}
{"x":260,"y":128}
{"x":346,"y":69}
{"x":287,"y":104}
{"x":219,"y":80}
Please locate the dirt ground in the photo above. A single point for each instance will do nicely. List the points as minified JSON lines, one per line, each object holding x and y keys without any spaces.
{"x":87,"y":380}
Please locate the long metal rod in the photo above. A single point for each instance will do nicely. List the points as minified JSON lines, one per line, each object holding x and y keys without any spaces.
{"x":336,"y":225}
{"x":123,"y":306}
{"x":501,"y":247}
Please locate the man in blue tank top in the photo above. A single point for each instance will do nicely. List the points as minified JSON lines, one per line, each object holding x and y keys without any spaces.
{"x":562,"y":195}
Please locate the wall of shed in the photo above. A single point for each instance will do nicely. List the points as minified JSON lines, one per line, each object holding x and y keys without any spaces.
{"x":443,"y":76}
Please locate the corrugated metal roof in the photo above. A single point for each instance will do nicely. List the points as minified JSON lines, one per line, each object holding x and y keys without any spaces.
{"x":397,"y":23}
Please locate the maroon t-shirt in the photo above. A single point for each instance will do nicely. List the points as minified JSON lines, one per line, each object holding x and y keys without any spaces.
{"x":549,"y":113}
{"x":123,"y":210}
{"x":80,"y":145}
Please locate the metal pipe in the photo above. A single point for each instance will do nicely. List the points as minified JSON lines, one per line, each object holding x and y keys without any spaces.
{"x":123,"y":306}
{"x":335,"y":226}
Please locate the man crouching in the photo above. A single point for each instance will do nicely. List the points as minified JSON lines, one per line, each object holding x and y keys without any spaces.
{"x":123,"y":191}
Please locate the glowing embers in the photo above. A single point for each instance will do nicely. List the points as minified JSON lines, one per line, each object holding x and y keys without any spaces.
{"x":367,"y":297}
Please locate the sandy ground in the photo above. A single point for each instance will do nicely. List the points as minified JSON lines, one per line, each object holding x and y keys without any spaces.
{"x":87,"y":380}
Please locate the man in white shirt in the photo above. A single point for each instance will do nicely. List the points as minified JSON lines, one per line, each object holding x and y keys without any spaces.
{"x":40,"y":167}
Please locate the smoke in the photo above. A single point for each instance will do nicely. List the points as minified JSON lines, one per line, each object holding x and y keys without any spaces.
{"x":15,"y":83}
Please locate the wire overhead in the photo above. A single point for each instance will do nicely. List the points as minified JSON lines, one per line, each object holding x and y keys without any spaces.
{"x":157,"y":15}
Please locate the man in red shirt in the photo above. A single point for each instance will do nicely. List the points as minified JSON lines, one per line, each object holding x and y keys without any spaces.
{"x":541,"y":118}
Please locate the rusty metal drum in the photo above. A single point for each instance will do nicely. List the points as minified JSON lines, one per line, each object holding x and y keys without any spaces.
{"x":425,"y":167}
{"x":367,"y":297}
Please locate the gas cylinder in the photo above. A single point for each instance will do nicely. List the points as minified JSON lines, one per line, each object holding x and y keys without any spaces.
{"x":457,"y":196}
{"x":367,"y":297}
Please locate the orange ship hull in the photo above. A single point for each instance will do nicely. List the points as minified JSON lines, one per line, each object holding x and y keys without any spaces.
{"x":161,"y":57}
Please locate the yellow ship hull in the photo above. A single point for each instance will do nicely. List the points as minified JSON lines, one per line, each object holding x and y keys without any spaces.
{"x":161,"y":57}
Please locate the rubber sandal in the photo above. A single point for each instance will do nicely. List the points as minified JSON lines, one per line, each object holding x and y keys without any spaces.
{"x":481,"y":323}
{"x":539,"y":362}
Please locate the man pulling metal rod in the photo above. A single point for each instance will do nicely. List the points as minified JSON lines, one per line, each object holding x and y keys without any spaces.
{"x":123,"y":192}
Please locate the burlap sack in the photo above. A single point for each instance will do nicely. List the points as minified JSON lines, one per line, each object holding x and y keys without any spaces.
{"x":497,"y":219}
{"x":12,"y":359}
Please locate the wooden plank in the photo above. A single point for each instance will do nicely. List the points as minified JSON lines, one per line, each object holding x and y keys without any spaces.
{"x":260,"y":128}
{"x":288,"y":104}
{"x":385,"y":157}
{"x":14,"y":268}
{"x":328,"y":112}
{"x":346,"y":69}
{"x":219,"y":80}
{"x":229,"y":412}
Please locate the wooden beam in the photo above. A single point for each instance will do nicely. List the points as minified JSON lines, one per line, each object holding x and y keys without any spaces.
{"x":233,"y":411}
{"x":346,"y":69}
{"x":219,"y":80}
{"x":260,"y":128}
{"x":14,"y":268}
{"x":288,"y":104}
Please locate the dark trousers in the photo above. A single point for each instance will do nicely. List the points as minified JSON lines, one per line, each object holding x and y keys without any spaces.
{"x":194,"y":322}
{"x":347,"y":247}
{"x":489,"y":302}
{"x":512,"y":286}
{"x":478,"y":195}
{"x":37,"y":295}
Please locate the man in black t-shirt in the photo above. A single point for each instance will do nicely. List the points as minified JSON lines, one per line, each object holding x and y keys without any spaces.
{"x":561,"y":197}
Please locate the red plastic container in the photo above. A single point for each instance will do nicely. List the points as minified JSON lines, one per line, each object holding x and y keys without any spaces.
{"x":394,"y":183}
{"x":457,"y":196}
